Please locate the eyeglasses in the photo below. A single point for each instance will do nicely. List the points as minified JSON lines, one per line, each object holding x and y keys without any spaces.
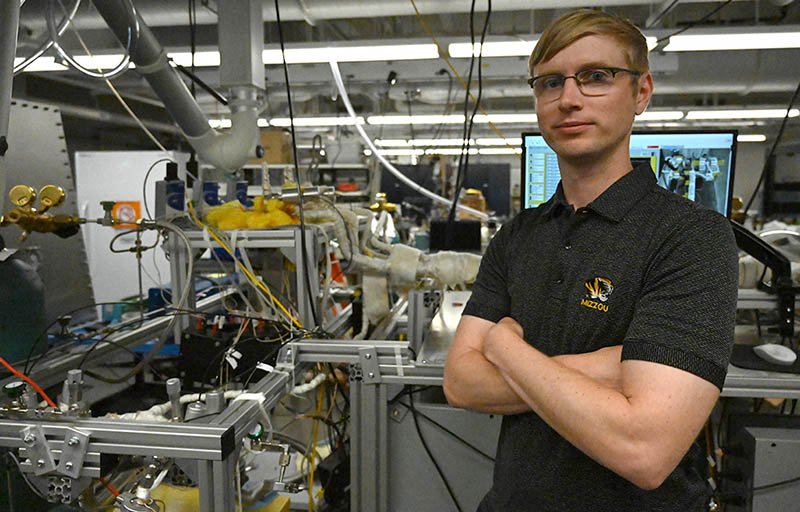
{"x":591,"y":82}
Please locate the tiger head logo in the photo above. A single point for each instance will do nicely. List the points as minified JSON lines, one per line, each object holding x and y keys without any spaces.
{"x":599,"y":288}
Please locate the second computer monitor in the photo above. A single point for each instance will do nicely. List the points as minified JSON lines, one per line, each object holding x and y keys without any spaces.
{"x":695,"y":164}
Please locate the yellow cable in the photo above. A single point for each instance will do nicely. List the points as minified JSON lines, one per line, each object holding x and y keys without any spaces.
{"x":314,"y":448}
{"x":255,"y":281}
{"x":453,"y":69}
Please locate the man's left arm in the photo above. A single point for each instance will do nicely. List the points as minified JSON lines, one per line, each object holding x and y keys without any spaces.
{"x":640,"y":433}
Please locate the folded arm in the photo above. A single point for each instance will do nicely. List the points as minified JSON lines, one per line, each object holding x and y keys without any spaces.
{"x":640,"y":431}
{"x":472,"y":382}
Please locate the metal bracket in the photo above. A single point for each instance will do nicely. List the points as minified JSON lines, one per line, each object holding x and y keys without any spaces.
{"x":76,"y":444}
{"x":368,"y":358}
{"x":37,"y":449}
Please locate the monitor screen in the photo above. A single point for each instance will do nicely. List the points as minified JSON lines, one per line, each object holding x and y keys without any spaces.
{"x":695,"y":164}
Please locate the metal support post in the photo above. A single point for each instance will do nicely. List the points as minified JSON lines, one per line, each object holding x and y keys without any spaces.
{"x":369,"y":468}
{"x":9,"y":23}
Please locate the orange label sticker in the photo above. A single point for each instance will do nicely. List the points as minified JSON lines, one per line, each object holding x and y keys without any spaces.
{"x":127,"y":212}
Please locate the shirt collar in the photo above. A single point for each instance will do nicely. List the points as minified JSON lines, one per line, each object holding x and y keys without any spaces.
{"x":624,"y":193}
{"x":556,"y":203}
{"x":615,"y":201}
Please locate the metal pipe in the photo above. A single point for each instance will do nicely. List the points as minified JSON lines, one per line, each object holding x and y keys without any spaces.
{"x":165,"y":14}
{"x":227,"y":151}
{"x":9,"y":25}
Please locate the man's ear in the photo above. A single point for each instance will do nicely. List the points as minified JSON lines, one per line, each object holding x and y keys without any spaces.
{"x":644,"y":90}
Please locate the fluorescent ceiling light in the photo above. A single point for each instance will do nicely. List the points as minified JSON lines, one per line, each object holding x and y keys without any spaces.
{"x":420,"y":142}
{"x":315,"y":121}
{"x":506,"y":118}
{"x":774,"y":113}
{"x":746,"y":41}
{"x":670,"y":115}
{"x":417,"y":119}
{"x":500,"y":151}
{"x":449,"y":151}
{"x":391,"y":142}
{"x":262,"y":122}
{"x":401,"y":152}
{"x":439,"y":142}
{"x":506,"y":48}
{"x":219,"y":123}
{"x":500,"y":142}
{"x":101,"y":61}
{"x":492,"y":49}
{"x":755,"y":137}
{"x":353,"y":54}
{"x":42,"y":64}
{"x":201,"y":59}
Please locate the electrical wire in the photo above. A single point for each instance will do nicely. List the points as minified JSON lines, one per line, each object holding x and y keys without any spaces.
{"x":304,"y":249}
{"x":133,"y":36}
{"x":772,"y":149}
{"x":337,"y":77}
{"x":62,"y":26}
{"x":448,"y":431}
{"x":695,"y":23}
{"x":776,"y":484}
{"x":181,"y":303}
{"x":119,"y":97}
{"x":255,"y":281}
{"x":443,"y":55}
{"x":430,"y":455}
{"x":29,"y":381}
{"x":197,"y":80}
{"x":663,"y":13}
{"x":144,"y":184}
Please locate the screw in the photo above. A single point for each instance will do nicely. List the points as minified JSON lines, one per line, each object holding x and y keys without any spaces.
{"x":40,"y":463}
{"x":367,"y":356}
{"x":68,"y":466}
{"x":395,"y":413}
{"x":29,"y":439}
{"x":74,"y":441}
{"x":371,"y":375}
{"x":424,"y":361}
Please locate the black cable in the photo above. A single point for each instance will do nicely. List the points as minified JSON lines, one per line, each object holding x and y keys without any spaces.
{"x":772,"y":150}
{"x":776,"y":484}
{"x":430,"y":456}
{"x":193,"y":40}
{"x":144,"y":184}
{"x":463,"y":161}
{"x":27,"y":370}
{"x":197,"y":80}
{"x":447,"y":107}
{"x":448,"y":431}
{"x":303,"y":247}
{"x":663,"y":13}
{"x":695,"y":23}
{"x":451,"y":214}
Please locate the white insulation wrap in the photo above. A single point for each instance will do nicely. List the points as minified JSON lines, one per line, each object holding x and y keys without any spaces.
{"x":450,"y":268}
{"x":403,"y":263}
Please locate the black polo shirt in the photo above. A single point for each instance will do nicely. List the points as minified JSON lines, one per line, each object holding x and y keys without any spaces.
{"x":639,"y":267}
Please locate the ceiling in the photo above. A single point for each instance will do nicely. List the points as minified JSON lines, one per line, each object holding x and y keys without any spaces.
{"x":684,"y":80}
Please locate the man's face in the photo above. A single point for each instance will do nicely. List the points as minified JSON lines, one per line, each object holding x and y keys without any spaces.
{"x":581,"y":128}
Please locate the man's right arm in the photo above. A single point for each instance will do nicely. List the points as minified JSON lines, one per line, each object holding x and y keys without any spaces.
{"x":472,"y":382}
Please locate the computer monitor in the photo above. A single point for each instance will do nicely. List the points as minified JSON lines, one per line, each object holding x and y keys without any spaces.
{"x":696,"y":164}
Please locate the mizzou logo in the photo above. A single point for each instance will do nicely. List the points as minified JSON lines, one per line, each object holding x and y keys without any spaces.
{"x":599,"y":289}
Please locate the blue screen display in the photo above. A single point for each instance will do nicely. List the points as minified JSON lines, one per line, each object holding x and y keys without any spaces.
{"x":697,"y":165}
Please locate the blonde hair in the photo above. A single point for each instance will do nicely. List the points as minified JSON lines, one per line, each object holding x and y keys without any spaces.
{"x":584,"y":22}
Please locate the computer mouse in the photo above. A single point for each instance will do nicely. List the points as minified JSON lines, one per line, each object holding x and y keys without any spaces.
{"x":776,"y":354}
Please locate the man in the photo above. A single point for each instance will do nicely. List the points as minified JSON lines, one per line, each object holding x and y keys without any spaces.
{"x":601,"y":323}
